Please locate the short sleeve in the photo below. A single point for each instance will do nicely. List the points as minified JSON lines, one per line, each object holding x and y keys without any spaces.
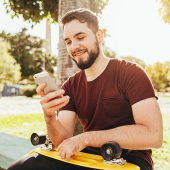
{"x":137,"y":84}
{"x":68,"y":91}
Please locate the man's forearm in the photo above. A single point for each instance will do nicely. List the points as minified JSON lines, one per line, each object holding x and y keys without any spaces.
{"x":56,"y":132}
{"x":135,"y":137}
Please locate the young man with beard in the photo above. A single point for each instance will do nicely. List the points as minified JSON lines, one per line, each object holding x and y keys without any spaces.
{"x":113,"y":99}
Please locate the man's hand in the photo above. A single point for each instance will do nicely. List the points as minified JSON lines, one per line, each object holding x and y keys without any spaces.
{"x":52,"y":101}
{"x":69,"y":147}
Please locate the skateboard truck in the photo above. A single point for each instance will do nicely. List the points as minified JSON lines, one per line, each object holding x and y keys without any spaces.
{"x":111,"y":153}
{"x":41,"y":138}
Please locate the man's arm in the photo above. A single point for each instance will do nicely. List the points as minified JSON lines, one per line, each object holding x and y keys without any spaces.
{"x":146,"y":133}
{"x":61,"y":127}
{"x":58,"y":127}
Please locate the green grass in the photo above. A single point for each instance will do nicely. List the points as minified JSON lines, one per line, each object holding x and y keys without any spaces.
{"x":164,"y":95}
{"x":22,"y":125}
{"x":25,"y":125}
{"x":161,"y":156}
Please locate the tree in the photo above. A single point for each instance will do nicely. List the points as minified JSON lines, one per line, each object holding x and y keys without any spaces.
{"x":135,"y":59}
{"x":108,"y":52}
{"x":9,"y":69}
{"x":36,"y":10}
{"x":48,"y":37}
{"x":28,"y":53}
{"x":165,"y":10}
{"x":160,"y":75}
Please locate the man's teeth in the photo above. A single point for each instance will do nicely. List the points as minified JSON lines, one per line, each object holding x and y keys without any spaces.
{"x":79,"y":53}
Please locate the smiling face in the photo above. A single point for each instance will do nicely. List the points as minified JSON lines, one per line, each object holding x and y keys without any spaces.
{"x":82,"y":44}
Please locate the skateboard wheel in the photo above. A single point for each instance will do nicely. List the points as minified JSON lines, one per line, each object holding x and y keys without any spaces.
{"x":38,"y":138}
{"x":110,"y":151}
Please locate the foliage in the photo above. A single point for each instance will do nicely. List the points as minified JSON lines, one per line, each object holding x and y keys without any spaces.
{"x":165,"y":10}
{"x":50,"y":63}
{"x":109,"y":53}
{"x":33,"y":10}
{"x":160,"y":75}
{"x":36,"y":10}
{"x":158,"y":72}
{"x":28,"y":90}
{"x":135,"y":59}
{"x":28,"y":53}
{"x":9,"y":69}
{"x":98,"y":5}
{"x":30,"y":93}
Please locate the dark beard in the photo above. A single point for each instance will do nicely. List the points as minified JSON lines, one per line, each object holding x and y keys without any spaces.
{"x":91,"y":59}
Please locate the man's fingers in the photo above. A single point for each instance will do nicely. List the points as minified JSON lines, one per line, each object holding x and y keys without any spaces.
{"x":40,"y":89}
{"x":58,"y":101}
{"x":69,"y":156}
{"x":63,"y":104}
{"x":65,"y":154}
{"x":55,"y":102}
{"x":52,"y":107}
{"x":62,"y":154}
{"x":52,"y":95}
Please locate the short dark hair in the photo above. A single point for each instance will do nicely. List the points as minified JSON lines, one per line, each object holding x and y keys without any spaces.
{"x":83,"y":15}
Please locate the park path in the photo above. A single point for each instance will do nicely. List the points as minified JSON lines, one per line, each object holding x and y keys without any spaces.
{"x":19,"y":105}
{"x":26,"y":105}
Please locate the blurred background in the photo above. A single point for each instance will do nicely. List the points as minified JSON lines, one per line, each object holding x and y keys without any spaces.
{"x":31,"y":41}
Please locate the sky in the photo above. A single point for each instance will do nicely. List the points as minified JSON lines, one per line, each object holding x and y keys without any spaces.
{"x":135,"y":28}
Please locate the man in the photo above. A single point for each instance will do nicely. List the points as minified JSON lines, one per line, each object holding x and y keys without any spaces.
{"x":113,"y":99}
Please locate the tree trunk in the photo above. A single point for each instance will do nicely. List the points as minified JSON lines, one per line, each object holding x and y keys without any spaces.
{"x":48,"y":37}
{"x":65,"y":65}
{"x":47,"y":42}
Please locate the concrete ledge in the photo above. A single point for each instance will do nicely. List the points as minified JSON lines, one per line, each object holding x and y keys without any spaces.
{"x":12,"y":148}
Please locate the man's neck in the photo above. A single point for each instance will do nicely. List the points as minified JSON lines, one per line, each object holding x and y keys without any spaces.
{"x":97,"y":68}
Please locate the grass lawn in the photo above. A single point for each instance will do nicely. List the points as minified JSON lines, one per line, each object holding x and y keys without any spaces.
{"x":161,"y":156}
{"x":25,"y":125}
{"x":164,"y":95}
{"x":22,"y":125}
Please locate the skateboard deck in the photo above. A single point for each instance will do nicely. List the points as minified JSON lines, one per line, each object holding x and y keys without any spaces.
{"x":86,"y":160}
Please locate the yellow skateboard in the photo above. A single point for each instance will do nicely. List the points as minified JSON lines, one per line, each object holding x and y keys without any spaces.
{"x":110,"y":159}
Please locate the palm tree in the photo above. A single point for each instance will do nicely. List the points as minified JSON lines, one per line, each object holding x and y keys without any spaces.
{"x":34,"y":11}
{"x":48,"y":37}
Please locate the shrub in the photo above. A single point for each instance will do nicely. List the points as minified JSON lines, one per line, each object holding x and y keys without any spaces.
{"x":28,"y":90}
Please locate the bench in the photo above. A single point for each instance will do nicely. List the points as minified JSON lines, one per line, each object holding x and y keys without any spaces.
{"x":12,"y":148}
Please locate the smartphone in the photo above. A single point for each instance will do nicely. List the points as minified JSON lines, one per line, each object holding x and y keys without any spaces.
{"x":43,"y":77}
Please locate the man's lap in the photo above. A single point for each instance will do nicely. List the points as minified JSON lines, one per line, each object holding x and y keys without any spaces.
{"x":40,"y":162}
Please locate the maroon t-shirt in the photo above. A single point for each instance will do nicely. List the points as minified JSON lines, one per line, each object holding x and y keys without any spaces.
{"x":105,"y":102}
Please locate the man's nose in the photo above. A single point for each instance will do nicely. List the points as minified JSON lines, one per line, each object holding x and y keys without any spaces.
{"x":75,"y":45}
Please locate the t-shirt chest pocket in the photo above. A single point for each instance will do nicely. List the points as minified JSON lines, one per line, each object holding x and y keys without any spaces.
{"x":113,"y":105}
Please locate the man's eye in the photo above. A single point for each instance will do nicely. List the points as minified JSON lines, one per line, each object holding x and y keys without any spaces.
{"x":80,"y":38}
{"x":68,"y":42}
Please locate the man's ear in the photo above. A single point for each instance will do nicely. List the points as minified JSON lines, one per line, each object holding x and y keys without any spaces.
{"x":100,"y":35}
